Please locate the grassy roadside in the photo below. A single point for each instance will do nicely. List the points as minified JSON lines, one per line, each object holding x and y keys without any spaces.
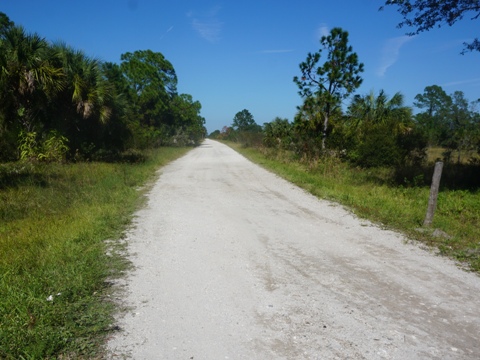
{"x":400,"y":208}
{"x":54,"y":261}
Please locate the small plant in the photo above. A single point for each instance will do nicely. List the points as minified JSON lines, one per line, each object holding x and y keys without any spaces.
{"x":28,"y":146}
{"x":53,"y":149}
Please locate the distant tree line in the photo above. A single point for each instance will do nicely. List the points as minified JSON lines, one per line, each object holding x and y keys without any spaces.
{"x":378,"y":130}
{"x":372,"y":130}
{"x":56,"y":102}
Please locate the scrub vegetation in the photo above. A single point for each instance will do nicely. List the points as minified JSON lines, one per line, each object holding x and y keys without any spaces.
{"x":373,"y":153}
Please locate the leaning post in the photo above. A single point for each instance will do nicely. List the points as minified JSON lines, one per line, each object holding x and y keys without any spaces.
{"x":432,"y":201}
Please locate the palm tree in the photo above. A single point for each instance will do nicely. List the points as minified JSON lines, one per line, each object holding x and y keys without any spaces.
{"x":86,"y":87}
{"x":87,"y":101}
{"x":28,"y":77}
{"x":381,"y":131}
{"x":370,"y":111}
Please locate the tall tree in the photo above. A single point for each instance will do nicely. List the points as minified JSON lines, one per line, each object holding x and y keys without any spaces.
{"x":424,"y":15}
{"x":434,"y":120}
{"x":85,"y":105}
{"x":116,"y":133}
{"x":153,"y":84}
{"x":434,"y":99}
{"x":463,"y":127}
{"x":5,"y":22}
{"x":327,"y":85}
{"x":244,"y":121}
{"x":449,"y":121}
{"x":186,"y":117}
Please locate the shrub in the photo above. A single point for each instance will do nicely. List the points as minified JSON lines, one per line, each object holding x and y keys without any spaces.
{"x":28,"y":146}
{"x":381,"y":147}
{"x":53,"y":149}
{"x":377,"y":149}
{"x":277,"y":133}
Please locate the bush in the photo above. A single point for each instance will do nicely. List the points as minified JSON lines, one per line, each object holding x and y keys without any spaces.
{"x":381,"y":147}
{"x":249,"y":139}
{"x":53,"y":149}
{"x":277,"y":134}
{"x":413,"y":146}
{"x":377,"y":150}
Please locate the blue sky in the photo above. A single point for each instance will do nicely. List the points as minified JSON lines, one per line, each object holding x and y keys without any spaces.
{"x":235,"y":55}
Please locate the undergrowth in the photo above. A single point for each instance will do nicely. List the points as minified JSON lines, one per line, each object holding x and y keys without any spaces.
{"x":54,"y":261}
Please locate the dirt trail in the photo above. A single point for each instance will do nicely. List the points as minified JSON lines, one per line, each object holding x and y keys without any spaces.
{"x":233,"y":262}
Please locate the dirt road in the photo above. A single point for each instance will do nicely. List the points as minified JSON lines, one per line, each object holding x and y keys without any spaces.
{"x":234,"y":263}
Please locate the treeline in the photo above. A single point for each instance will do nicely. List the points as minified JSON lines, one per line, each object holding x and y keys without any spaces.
{"x":449,"y":121}
{"x":378,"y":130}
{"x":58,"y":103}
{"x":371,"y":130}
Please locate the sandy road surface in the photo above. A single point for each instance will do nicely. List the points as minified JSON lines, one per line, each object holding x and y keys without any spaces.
{"x":234,"y":263}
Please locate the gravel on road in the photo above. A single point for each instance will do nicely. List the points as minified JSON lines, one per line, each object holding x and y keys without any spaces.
{"x":232,"y":262}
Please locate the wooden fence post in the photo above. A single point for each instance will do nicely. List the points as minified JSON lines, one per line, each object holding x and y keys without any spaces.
{"x":432,"y":201}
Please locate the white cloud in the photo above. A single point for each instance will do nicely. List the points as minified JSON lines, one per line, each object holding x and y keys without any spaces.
{"x":390,"y":53}
{"x":474,"y":82}
{"x":323,"y":30}
{"x":209,"y":30}
{"x":207,"y":25}
{"x":166,"y":32}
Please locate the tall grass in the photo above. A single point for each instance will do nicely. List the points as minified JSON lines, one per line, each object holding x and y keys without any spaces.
{"x":373,"y":195}
{"x":54,"y":260}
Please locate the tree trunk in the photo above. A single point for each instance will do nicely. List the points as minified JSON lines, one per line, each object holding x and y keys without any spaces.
{"x":324,"y":133}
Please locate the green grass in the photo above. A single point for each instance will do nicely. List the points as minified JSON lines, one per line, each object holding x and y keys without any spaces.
{"x":435,"y":153}
{"x":371,"y":195}
{"x":54,"y":261}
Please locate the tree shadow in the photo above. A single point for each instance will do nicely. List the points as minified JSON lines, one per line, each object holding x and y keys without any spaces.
{"x":15,"y":175}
